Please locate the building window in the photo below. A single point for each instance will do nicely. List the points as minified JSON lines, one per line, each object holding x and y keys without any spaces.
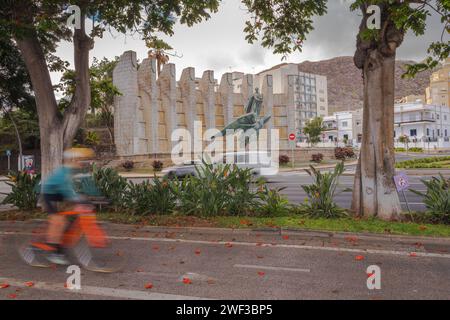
{"x":413,"y":133}
{"x":344,"y":124}
{"x":428,"y":132}
{"x":439,"y":132}
{"x":446,"y":133}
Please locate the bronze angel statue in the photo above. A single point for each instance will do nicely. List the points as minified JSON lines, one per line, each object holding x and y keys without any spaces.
{"x":251,"y":119}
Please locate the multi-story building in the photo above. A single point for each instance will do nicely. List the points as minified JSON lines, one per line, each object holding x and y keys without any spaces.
{"x":423,"y":123}
{"x":343,"y":128}
{"x":310,"y":92}
{"x":438,"y":93}
{"x":412,"y":99}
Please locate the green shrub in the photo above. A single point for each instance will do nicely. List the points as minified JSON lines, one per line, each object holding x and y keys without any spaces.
{"x":437,"y":199}
{"x":92,"y":139}
{"x":284,"y":160}
{"x":317,"y":158}
{"x":157,"y":165}
{"x":150,"y":198}
{"x":128,"y":165}
{"x":418,"y":150}
{"x":432,"y":162}
{"x":112,"y":186}
{"x":272,"y":202}
{"x":241,"y":198}
{"x":24,"y":193}
{"x":217,"y":190}
{"x":321,"y":194}
{"x":400,"y":149}
{"x":344,"y":153}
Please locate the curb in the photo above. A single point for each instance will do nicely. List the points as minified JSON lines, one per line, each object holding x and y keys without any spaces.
{"x":283,"y":231}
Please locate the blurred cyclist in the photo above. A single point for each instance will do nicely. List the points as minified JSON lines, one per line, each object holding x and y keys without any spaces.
{"x":59,"y":188}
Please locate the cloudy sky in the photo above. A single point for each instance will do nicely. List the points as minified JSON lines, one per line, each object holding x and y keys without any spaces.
{"x":219,"y":43}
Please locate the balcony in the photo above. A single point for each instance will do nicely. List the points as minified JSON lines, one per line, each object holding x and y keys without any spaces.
{"x":418,"y":118}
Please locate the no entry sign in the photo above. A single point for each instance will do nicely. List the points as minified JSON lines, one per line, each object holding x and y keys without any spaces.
{"x":292,"y":137}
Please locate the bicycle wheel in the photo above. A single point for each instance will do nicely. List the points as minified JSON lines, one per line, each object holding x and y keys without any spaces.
{"x":107,"y":258}
{"x":30,"y":245}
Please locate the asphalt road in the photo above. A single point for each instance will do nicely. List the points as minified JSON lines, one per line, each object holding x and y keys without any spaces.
{"x":225,"y":264}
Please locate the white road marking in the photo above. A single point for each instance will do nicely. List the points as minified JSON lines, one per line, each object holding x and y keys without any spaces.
{"x":286,"y":246}
{"x":248,"y":266}
{"x":100,"y":291}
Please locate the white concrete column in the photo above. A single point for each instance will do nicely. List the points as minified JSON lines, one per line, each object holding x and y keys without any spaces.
{"x":188,"y":96}
{"x":207,"y":84}
{"x":226,"y":95}
{"x":168,"y":91}
{"x":247,"y":88}
{"x":148,"y":92}
{"x":126,"y":105}
{"x":267,"y":93}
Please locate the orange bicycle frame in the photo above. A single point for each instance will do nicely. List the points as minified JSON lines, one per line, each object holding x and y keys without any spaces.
{"x":85,"y":224}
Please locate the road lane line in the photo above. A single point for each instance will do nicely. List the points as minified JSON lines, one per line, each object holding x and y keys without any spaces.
{"x":286,"y":246}
{"x":100,"y":291}
{"x":248,"y":266}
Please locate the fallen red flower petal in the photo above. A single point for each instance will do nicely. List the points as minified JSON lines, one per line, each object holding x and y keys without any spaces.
{"x":29,"y":284}
{"x":285,"y":237}
{"x":12,"y":296}
{"x":187,"y":281}
{"x":413,"y":254}
{"x":359,"y":258}
{"x":197,"y":252}
{"x":148,"y":286}
{"x":155,"y":248}
{"x":260,"y":273}
{"x":4,"y":285}
{"x":228,"y":245}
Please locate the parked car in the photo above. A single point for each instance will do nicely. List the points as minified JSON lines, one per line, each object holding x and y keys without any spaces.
{"x":258,"y":162}
{"x":181,"y":171}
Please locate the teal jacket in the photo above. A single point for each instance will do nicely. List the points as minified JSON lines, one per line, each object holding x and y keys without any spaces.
{"x":60,"y":182}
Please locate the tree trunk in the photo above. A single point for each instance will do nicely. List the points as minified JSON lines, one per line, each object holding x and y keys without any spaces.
{"x":57,"y":131}
{"x":374,"y":192}
{"x":374,"y":189}
{"x":49,"y":120}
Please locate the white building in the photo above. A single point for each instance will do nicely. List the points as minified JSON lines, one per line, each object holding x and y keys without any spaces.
{"x":343,"y":128}
{"x":423,"y":124}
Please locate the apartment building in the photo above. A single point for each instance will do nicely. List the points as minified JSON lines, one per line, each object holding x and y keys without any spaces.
{"x":343,"y":128}
{"x":310,"y":92}
{"x":423,"y":124}
{"x":438,"y":93}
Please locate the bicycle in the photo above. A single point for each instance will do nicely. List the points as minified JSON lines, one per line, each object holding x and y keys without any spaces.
{"x":84,"y":239}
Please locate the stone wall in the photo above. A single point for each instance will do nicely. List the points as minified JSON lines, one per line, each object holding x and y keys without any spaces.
{"x":151,"y":107}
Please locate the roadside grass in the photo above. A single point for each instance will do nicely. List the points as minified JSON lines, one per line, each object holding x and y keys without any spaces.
{"x":426,"y":163}
{"x":294,"y":222}
{"x":306,"y":164}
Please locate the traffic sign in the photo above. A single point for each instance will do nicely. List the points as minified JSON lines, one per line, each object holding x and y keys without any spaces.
{"x":401,"y":182}
{"x":292,"y":137}
{"x":8,"y":153}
